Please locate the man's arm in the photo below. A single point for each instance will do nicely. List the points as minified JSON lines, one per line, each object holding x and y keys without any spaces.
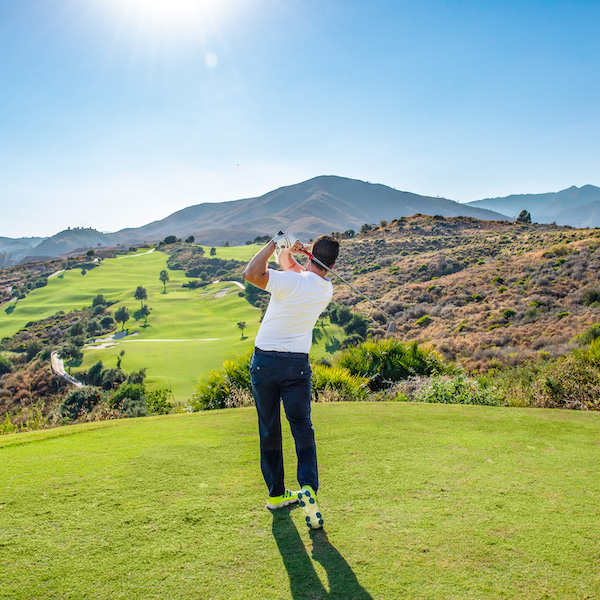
{"x":256,"y":271}
{"x":287,"y":260}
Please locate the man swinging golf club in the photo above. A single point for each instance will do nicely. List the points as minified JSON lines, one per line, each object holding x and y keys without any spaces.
{"x":279,"y":369}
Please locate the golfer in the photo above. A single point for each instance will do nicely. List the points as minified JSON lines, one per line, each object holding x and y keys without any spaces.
{"x":279,"y":369}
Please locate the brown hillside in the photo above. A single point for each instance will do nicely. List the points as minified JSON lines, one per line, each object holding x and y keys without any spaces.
{"x":484,"y":292}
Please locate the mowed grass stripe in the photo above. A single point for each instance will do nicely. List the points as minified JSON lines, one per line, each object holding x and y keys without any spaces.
{"x":421,"y":501}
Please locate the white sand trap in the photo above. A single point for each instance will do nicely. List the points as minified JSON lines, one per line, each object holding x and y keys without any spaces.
{"x":221,"y":294}
{"x":135,"y":255}
{"x":103,"y":346}
{"x":164,"y":340}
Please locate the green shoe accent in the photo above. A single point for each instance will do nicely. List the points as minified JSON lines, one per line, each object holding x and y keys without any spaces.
{"x":275,"y":502}
{"x":310,"y":506}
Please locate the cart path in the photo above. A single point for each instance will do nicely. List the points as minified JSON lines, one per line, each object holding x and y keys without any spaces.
{"x":58,"y":366}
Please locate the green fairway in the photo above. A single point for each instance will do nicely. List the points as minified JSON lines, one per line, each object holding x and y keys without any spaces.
{"x":420,"y":502}
{"x":189,"y":331}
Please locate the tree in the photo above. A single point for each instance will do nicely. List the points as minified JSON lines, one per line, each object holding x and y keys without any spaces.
{"x":71,"y":353}
{"x":107,"y":322}
{"x":99,"y":300}
{"x":120,"y":358}
{"x":145,"y":312}
{"x":170,"y":239}
{"x":122,"y":316}
{"x":164,"y":277}
{"x":93,"y":327}
{"x":190,"y":240}
{"x":524,"y":217}
{"x":141,"y":294}
{"x":242,"y":325}
{"x":213,"y":251}
{"x":226,"y":244}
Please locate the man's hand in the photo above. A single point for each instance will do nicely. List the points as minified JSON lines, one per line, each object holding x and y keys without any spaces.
{"x":284,"y":240}
{"x":287,"y":260}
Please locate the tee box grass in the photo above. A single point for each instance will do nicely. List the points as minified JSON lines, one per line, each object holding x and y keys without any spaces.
{"x":420,"y":501}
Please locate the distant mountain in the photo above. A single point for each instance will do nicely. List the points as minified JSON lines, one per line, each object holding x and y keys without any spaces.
{"x":12,"y":250}
{"x":573,"y":206}
{"x":320,"y":205}
{"x":67,"y":241}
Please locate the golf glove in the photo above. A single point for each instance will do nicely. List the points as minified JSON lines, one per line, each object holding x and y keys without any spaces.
{"x":284,"y":240}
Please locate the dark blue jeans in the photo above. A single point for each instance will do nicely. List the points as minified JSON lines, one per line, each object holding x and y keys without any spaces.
{"x":276,"y":377}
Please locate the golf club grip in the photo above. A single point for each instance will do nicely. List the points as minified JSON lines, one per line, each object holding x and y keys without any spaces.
{"x":312,"y":257}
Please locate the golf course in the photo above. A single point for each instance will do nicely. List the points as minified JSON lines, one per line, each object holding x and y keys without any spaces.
{"x":420,"y":502}
{"x":189,"y":331}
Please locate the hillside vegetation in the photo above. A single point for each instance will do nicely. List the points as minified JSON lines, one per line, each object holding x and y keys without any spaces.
{"x":511,"y":309}
{"x":485,"y":293}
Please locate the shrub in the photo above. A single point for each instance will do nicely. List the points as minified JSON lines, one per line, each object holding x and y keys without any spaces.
{"x":391,"y":360}
{"x":338,"y":384}
{"x":128,"y":390}
{"x":226,"y":387}
{"x":590,"y":334}
{"x":357,"y":325}
{"x":99,"y":300}
{"x":590,"y":297}
{"x":159,"y":402}
{"x":423,"y":321}
{"x":5,"y":366}
{"x":79,"y":401}
{"x":459,"y":389}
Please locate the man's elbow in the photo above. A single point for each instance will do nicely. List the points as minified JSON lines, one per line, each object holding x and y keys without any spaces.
{"x":256,"y":278}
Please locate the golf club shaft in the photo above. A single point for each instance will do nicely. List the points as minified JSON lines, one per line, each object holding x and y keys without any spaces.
{"x":312,"y":257}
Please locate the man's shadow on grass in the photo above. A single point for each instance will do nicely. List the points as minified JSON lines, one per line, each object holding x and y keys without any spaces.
{"x":304,"y":582}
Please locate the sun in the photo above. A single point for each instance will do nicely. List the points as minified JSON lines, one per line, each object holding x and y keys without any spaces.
{"x":160,"y":18}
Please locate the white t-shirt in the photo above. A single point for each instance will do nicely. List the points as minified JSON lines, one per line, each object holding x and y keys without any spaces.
{"x":297,"y":300}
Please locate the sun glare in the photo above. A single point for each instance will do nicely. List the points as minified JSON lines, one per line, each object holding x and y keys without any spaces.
{"x":168,"y":18}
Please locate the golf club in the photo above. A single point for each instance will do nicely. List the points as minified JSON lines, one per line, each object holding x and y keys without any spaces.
{"x":391,"y":327}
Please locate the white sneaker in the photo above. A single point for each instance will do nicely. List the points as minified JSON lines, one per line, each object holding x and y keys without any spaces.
{"x":308,"y":502}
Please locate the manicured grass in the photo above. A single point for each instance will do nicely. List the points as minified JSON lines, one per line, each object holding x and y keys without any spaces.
{"x":420,"y":501}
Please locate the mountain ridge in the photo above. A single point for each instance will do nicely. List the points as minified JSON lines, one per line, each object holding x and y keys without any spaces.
{"x":549,"y":206}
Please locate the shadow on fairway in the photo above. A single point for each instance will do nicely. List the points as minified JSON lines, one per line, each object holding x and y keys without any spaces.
{"x":304,"y":582}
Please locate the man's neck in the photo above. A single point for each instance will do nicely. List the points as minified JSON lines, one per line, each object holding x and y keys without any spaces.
{"x":312,"y":268}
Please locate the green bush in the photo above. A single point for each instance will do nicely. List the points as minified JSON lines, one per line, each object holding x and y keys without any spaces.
{"x":423,"y":321}
{"x":589,"y":335}
{"x":459,"y":389}
{"x":391,"y":360}
{"x":80,"y":401}
{"x":226,"y":387}
{"x":159,"y":402}
{"x":337,"y":383}
{"x":130,"y":399}
{"x":591,"y":297}
{"x":5,"y":365}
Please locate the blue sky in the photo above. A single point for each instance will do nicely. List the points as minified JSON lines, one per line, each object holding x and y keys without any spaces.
{"x":114,"y":113}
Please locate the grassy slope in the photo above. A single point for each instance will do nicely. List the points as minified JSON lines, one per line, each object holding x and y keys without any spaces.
{"x":180,"y":314}
{"x":421,"y":501}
